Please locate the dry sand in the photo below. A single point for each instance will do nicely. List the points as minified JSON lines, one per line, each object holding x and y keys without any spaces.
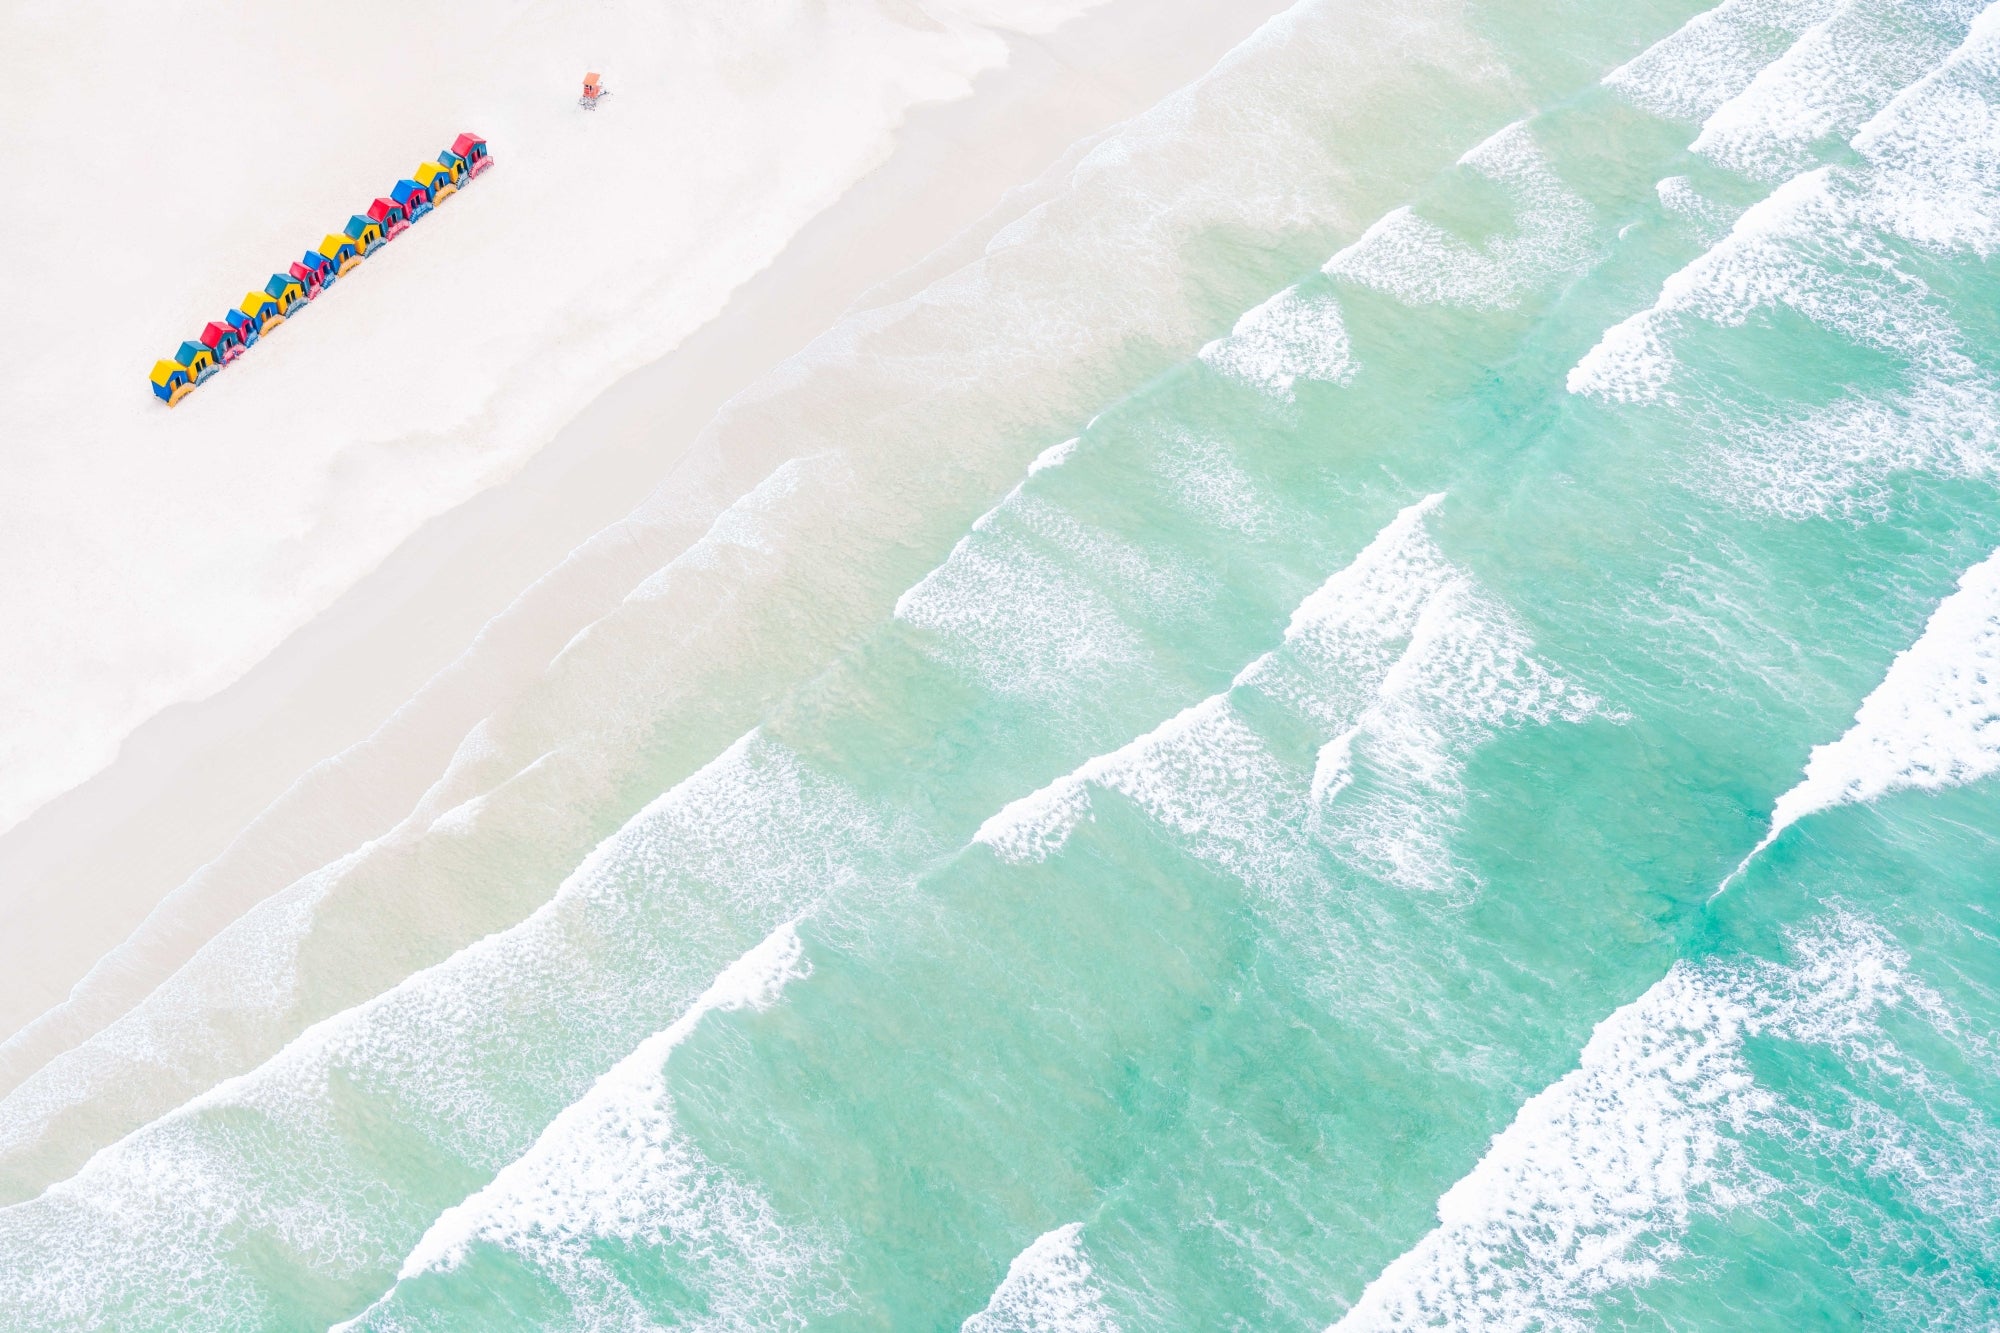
{"x":333,"y":737}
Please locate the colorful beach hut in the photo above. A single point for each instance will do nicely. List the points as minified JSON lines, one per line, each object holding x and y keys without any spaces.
{"x":390,"y":216}
{"x":222,"y":340}
{"x":473,"y":149}
{"x":315,"y":270}
{"x":287,"y":291}
{"x":262,"y":308}
{"x":171,"y":382}
{"x":197,"y":360}
{"x":438,"y":180}
{"x":340,"y":251}
{"x":455,"y":164}
{"x":365,"y":232}
{"x":415,"y":199}
{"x":246,"y":327}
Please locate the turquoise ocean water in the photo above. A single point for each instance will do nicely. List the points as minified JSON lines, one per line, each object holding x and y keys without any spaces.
{"x":1382,"y":715}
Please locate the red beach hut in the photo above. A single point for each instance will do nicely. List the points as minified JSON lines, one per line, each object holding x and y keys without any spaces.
{"x":390,"y":217}
{"x":473,"y":149}
{"x":222,"y":340}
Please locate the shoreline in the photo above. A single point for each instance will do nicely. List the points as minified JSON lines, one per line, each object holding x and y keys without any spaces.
{"x":302,"y":738}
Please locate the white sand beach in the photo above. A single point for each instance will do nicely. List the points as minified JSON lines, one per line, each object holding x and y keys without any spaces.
{"x":262,"y":728}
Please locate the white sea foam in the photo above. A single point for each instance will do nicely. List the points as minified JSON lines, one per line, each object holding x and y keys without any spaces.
{"x":1420,"y":263}
{"x":1714,"y":55}
{"x":1594,"y":1184}
{"x":750,"y":840}
{"x":1291,"y":337}
{"x":1930,"y":174}
{"x":1027,"y":623}
{"x":1343,"y":634}
{"x":1841,"y":457}
{"x":1933,"y":722}
{"x":1050,"y":1287}
{"x":1398,"y":656}
{"x":614,"y":1166}
{"x":745,"y":525}
{"x":1840,"y":72}
{"x":1204,"y":774}
{"x":1466,"y":672}
{"x":1053,"y":456}
{"x":1711,"y":221}
{"x":1934,"y":152}
{"x":1212,"y":486}
{"x":1038,"y":603}
{"x":1632,"y":362}
{"x":1799,"y":249}
{"x":1158,"y":587}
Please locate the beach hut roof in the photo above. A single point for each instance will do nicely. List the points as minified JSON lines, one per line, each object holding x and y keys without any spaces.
{"x":404,"y":188}
{"x":214,"y":331}
{"x":336,"y":242}
{"x":189,"y":350}
{"x":464,"y":143}
{"x":165,"y":371}
{"x":315,"y":261}
{"x":385,"y":203}
{"x":282,"y":281}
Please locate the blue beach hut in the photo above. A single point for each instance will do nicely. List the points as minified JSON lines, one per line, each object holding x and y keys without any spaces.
{"x":415,"y":199}
{"x":225,"y":342}
{"x":365,"y":232}
{"x":247,"y":328}
{"x":170,"y":382}
{"x":198,"y":361}
{"x":340,"y":251}
{"x":316,"y":271}
{"x":263,"y":308}
{"x":287,"y":291}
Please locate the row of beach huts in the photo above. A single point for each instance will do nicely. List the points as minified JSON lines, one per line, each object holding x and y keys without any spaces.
{"x":222,"y":341}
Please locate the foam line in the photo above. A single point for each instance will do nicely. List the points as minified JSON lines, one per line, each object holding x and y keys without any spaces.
{"x":1291,"y":337}
{"x":1050,"y":1287}
{"x":1420,"y":263}
{"x":1930,"y":174}
{"x":759,"y":835}
{"x":613,"y":1166}
{"x":1399,"y":654}
{"x":1592,"y":1186}
{"x":1839,"y":73}
{"x":1933,"y":722}
{"x":1714,"y":55}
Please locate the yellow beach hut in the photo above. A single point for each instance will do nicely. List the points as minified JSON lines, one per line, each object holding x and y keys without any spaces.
{"x":262,"y":308}
{"x":196,"y":360}
{"x":340,"y":251}
{"x":437,"y":179}
{"x":286,"y":290}
{"x":365,"y":231}
{"x":171,"y":382}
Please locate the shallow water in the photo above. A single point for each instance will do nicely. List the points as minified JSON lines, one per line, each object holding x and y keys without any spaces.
{"x":1464,"y":801}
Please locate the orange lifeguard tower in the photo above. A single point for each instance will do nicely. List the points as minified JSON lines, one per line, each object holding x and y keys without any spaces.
{"x":593,"y":88}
